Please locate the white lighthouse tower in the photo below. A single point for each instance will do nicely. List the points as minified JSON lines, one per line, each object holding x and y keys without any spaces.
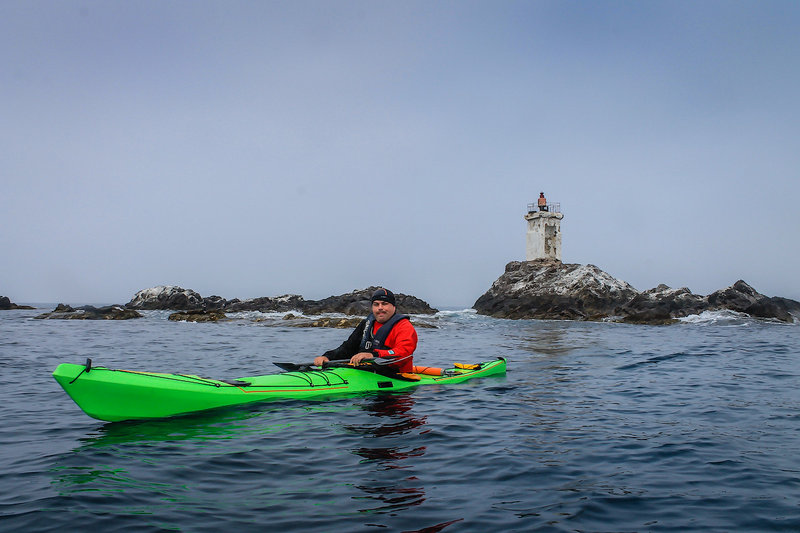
{"x":544,"y":230}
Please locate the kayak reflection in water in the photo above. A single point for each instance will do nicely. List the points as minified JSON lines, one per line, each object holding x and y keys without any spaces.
{"x":394,"y":416}
{"x":384,"y":333}
{"x":390,"y":442}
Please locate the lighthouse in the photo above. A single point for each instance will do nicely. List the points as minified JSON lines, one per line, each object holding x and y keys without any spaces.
{"x":543,"y":239}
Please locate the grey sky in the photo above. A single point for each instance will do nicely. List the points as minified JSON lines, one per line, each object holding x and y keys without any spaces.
{"x":260,"y":148}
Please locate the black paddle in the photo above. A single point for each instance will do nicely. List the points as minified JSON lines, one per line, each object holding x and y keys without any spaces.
{"x":295,"y":367}
{"x":309,"y":367}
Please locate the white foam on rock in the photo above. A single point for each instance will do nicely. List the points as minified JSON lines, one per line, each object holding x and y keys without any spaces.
{"x":724,"y":316}
{"x":568,"y":281}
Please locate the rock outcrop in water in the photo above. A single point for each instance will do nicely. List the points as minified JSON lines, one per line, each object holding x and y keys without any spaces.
{"x":358,"y":303}
{"x":6,"y":304}
{"x":663,"y":305}
{"x":267,"y":304}
{"x":352,"y":303}
{"x":166,"y":297}
{"x":549,"y":289}
{"x":743,"y":298}
{"x":197,"y":316}
{"x":88,"y":312}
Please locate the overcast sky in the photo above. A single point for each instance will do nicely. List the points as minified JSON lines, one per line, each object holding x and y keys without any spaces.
{"x":261,"y":148}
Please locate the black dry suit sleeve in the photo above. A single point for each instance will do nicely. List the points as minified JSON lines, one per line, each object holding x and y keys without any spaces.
{"x":348,"y":348}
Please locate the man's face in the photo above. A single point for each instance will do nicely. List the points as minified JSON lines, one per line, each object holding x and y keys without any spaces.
{"x":383,"y":311}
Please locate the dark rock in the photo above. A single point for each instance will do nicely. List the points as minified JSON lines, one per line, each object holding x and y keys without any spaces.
{"x":662,"y":305}
{"x":550,"y":289}
{"x":358,"y":303}
{"x":769,"y":308}
{"x":327,"y":322}
{"x":737,"y":297}
{"x":350,"y":322}
{"x":6,"y":304}
{"x":198,"y":316}
{"x":89,"y":312}
{"x":214,"y":303}
{"x":166,"y":297}
{"x":420,"y":324}
{"x":278,"y":304}
{"x":791,"y":306}
{"x":743,"y":298}
{"x":353,"y":303}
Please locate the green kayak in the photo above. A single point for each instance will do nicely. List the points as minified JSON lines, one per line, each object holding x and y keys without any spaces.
{"x":115,"y":395}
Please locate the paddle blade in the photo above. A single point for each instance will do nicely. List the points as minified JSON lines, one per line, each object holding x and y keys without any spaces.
{"x":293,"y":367}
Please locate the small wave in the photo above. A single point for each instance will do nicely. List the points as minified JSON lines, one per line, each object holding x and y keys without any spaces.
{"x":731,"y":319}
{"x":161,"y":314}
{"x":461,"y":317}
{"x":264,"y":315}
{"x":457,"y":312}
{"x":653,"y":360}
{"x":724,"y":317}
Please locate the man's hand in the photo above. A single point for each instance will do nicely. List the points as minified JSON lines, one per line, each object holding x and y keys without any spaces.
{"x":321,"y":360}
{"x":357,"y":358}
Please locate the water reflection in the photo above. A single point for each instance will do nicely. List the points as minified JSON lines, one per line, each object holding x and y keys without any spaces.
{"x":394,"y":416}
{"x":435,"y":528}
{"x":209,"y":425}
{"x":106,"y":459}
{"x":392,"y":498}
{"x":543,"y":338}
{"x":388,"y":437}
{"x":389,"y":456}
{"x":379,"y":444}
{"x":558,"y":339}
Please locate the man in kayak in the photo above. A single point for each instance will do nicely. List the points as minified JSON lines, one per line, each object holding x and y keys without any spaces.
{"x":384,"y":333}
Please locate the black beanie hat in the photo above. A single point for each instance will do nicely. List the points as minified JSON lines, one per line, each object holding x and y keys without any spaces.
{"x":383,"y":295}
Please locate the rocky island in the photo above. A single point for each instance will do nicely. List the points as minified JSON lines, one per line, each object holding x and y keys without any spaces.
{"x":6,"y":304}
{"x":549,"y":289}
{"x":356,"y":302}
{"x":191,"y":306}
{"x":542,"y":287}
{"x":89,"y":312}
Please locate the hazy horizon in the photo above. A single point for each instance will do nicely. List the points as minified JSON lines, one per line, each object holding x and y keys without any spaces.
{"x":432,"y":304}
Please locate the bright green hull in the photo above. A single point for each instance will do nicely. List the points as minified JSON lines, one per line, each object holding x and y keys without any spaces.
{"x":115,"y":395}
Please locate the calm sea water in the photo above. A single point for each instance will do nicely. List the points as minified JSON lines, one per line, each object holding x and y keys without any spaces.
{"x":596,"y":427}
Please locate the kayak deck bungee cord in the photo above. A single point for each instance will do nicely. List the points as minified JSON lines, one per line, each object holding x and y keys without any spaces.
{"x":115,"y":395}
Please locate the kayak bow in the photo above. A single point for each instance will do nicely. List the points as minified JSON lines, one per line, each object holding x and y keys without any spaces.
{"x":114,"y":395}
